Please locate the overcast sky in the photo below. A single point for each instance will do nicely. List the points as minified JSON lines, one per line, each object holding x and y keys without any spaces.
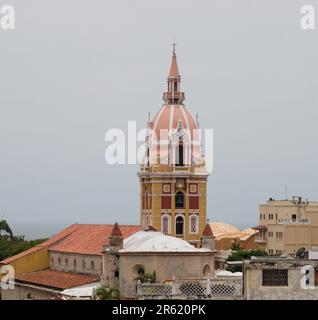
{"x":73,"y":69}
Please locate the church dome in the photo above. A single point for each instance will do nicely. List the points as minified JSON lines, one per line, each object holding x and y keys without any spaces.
{"x":170,"y":117}
{"x":154,"y":241}
{"x":173,"y":132}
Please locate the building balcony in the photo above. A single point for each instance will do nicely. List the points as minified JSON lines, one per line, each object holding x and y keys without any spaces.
{"x":292,"y":221}
{"x":173,"y":97}
{"x":181,"y":168}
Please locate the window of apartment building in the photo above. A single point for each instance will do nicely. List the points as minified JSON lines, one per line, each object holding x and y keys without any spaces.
{"x":270,"y":234}
{"x":260,"y":216}
{"x":274,"y":277}
{"x":294,"y":217}
{"x":270,"y":251}
{"x":279,"y":236}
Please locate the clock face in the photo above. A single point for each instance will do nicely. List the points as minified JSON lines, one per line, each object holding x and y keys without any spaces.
{"x":166,"y":188}
{"x":193,"y":188}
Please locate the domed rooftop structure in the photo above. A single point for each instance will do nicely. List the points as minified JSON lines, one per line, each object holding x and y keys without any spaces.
{"x":154,"y":241}
{"x":174,"y":125}
{"x":171,"y":117}
{"x":222,"y":228}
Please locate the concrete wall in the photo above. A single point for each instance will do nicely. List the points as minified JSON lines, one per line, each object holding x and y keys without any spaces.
{"x":33,"y":261}
{"x":21,"y":292}
{"x":182,"y":266}
{"x":77,"y":263}
{"x":254,"y":290}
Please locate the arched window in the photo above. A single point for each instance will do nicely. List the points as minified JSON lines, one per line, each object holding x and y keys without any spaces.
{"x":92,"y":266}
{"x":194,"y":223}
{"x":138,"y":270}
{"x":206,"y":270}
{"x":52,"y":262}
{"x":59,"y":261}
{"x":179,"y":225}
{"x":75,"y":264}
{"x":66,"y":262}
{"x":83,"y":264}
{"x":175,"y":86}
{"x":179,"y":199}
{"x":165,"y":224}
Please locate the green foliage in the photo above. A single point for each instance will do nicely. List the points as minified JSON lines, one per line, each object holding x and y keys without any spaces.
{"x":103,"y":293}
{"x":146,"y":277}
{"x":236,"y":246}
{"x":4,"y":226}
{"x":241,"y":254}
{"x":10,"y":247}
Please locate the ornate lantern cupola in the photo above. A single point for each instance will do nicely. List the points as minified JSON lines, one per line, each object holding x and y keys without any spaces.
{"x":174,"y":95}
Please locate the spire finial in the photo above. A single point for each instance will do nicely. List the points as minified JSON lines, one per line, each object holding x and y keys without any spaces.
{"x":174,"y":48}
{"x":174,"y":72}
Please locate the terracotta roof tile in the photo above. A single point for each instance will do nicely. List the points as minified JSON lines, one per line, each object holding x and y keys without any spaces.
{"x":79,"y":238}
{"x":207,"y":232}
{"x":260,"y":227}
{"x":56,"y":279}
{"x":116,"y":232}
{"x":90,"y":238}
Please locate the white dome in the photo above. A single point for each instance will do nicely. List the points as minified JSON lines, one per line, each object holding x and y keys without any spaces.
{"x":154,"y":241}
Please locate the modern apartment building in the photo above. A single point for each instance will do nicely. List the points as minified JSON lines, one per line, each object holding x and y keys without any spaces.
{"x":287,"y":225}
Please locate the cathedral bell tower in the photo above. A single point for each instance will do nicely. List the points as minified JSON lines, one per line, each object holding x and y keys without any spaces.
{"x":173,"y":177}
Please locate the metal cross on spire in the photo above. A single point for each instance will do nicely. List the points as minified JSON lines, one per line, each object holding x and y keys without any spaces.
{"x":174,"y":48}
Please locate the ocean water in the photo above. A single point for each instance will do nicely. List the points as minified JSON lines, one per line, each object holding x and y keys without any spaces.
{"x":36,"y":230}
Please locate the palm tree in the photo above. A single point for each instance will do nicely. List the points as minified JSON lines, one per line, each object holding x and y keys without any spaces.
{"x":103,"y":293}
{"x":146,"y":277}
{"x":5,"y":227}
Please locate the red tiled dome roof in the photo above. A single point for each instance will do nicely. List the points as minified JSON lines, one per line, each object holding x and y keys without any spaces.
{"x":169,"y":117}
